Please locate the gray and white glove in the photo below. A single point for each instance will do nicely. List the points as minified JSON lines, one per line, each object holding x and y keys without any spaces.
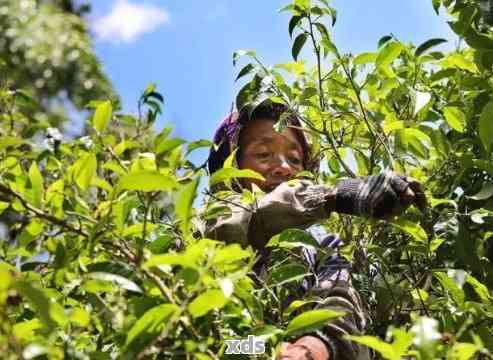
{"x":380,"y":196}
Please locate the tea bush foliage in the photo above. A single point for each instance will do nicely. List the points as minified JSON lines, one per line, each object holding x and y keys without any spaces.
{"x":102,"y":255}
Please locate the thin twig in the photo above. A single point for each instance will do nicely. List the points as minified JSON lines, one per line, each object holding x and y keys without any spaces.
{"x":41,"y":214}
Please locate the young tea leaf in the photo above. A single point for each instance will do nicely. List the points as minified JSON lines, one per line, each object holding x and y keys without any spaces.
{"x":206,"y":302}
{"x":102,"y":116}
{"x":311,"y":320}
{"x":84,"y":170}
{"x":226,"y":174}
{"x":148,"y":327}
{"x":147,"y":181}
{"x":184,"y":204}
{"x":37,"y":184}
{"x":455,"y":118}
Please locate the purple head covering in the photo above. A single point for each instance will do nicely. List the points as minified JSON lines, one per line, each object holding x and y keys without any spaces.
{"x":226,"y":137}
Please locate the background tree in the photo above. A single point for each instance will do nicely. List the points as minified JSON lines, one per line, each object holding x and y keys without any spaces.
{"x":46,"y":50}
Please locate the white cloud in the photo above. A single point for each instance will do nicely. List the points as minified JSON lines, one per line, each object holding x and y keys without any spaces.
{"x":127,"y":21}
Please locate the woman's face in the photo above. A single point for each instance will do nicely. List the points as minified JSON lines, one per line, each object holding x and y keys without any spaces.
{"x":276,"y":156}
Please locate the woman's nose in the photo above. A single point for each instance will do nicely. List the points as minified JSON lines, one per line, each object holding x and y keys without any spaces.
{"x":282,"y":167}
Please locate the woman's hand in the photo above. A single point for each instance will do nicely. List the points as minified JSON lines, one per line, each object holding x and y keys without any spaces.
{"x":305,"y":348}
{"x":381,"y":196}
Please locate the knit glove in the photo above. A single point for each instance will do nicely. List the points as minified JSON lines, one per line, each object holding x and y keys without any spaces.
{"x":380,"y":196}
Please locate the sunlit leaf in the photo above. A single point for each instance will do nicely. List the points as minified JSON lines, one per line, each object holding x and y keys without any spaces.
{"x":149,"y":326}
{"x":102,"y":116}
{"x":455,"y":118}
{"x":37,"y":184}
{"x":227,"y":174}
{"x":147,"y":181}
{"x":311,"y":320}
{"x":84,"y":170}
{"x":206,"y":302}
{"x":184,"y":203}
{"x":116,"y":279}
{"x":411,"y":228}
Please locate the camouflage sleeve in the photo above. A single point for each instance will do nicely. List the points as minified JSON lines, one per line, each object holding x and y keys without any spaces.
{"x":333,"y":289}
{"x":341,"y":296}
{"x":294,"y":204}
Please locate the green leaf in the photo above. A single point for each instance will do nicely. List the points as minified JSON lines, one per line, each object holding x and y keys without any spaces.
{"x":388,"y":54}
{"x":311,"y":320}
{"x":322,"y":30}
{"x":26,"y":330}
{"x":411,"y":228}
{"x":436,"y":5}
{"x":365,"y":58}
{"x":485,"y":193}
{"x":31,"y":232}
{"x":7,"y":141}
{"x":249,"y":92}
{"x":292,"y":24}
{"x":36,"y":180}
{"x":198,"y":144}
{"x":247,"y":69}
{"x":102,"y":116}
{"x":296,"y":304}
{"x":459,"y":61}
{"x":455,"y":118}
{"x":84,"y":170}
{"x":240,"y":53}
{"x":167,"y":145}
{"x":39,"y":301}
{"x":427,"y":45}
{"x":80,"y":317}
{"x":477,"y":40}
{"x":486,"y":127}
{"x":162,"y":244}
{"x":463,"y":351}
{"x":292,"y":238}
{"x":147,"y":181}
{"x":206,"y":302}
{"x":298,"y":45}
{"x":230,"y":254}
{"x":288,"y":273}
{"x":449,"y":284}
{"x":137,"y":229}
{"x":149,"y":326}
{"x":302,"y":4}
{"x":150,"y":88}
{"x":479,"y":288}
{"x":3,"y":206}
{"x":415,"y":141}
{"x":383,"y":40}
{"x":376,"y":344}
{"x":172,"y":259}
{"x":227,"y":174}
{"x":121,"y":281}
{"x":184,"y":204}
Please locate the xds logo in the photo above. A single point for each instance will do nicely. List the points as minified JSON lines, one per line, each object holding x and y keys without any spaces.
{"x":250,"y":346}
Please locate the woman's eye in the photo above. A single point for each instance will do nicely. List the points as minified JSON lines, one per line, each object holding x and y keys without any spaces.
{"x":263,"y":155}
{"x":295,"y":161}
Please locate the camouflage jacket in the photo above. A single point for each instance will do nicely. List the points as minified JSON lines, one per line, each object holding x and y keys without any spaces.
{"x":300,"y":205}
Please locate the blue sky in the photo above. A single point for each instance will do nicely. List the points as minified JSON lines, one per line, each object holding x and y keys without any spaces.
{"x":186,"y":46}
